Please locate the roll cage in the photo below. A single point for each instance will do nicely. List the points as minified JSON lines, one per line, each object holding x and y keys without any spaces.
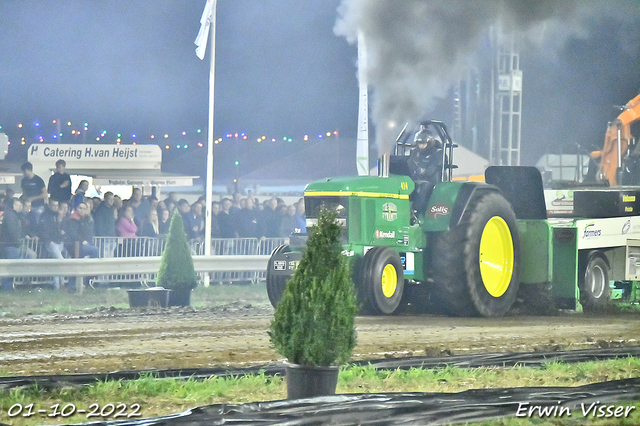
{"x":404,"y":144}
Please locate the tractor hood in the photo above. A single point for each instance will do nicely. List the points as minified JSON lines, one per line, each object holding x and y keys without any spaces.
{"x":394,"y":186}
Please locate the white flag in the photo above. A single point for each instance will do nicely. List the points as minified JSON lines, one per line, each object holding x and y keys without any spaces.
{"x":203,"y":34}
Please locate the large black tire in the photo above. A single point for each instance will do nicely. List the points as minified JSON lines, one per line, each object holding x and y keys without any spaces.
{"x":535,"y":299}
{"x":380,"y":281}
{"x":476,"y":265}
{"x":595,"y":292}
{"x":276,"y":283}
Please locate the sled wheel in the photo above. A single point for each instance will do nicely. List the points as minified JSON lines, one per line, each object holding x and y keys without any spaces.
{"x":276,"y":283}
{"x":476,"y":264}
{"x":380,"y":281}
{"x":595,"y":292}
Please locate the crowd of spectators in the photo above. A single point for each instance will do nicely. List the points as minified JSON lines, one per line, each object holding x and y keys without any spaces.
{"x":66,"y":222}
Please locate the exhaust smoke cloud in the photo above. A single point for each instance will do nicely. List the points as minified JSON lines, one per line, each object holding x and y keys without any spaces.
{"x":417,"y":49}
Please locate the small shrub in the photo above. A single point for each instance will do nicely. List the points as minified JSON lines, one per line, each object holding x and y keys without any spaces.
{"x":314,"y":323}
{"x":176,"y":267}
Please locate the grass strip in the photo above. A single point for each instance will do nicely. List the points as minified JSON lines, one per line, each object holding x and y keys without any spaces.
{"x":158,"y":397}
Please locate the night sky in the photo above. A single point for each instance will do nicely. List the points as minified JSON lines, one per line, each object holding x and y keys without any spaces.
{"x":129,"y":67}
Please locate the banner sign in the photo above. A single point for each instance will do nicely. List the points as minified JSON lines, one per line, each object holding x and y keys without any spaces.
{"x":145,"y":181}
{"x":102,"y":156}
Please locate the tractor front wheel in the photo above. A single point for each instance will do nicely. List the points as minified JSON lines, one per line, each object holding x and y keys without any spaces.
{"x":276,"y":283}
{"x":380,"y":281}
{"x":476,"y":264}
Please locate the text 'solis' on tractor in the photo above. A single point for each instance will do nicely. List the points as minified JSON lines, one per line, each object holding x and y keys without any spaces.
{"x":462,"y":248}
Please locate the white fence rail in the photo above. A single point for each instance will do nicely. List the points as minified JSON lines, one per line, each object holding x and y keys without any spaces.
{"x":128,"y":255}
{"x":145,"y":265}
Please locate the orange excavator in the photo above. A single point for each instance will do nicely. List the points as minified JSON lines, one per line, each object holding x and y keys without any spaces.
{"x":618,"y":144}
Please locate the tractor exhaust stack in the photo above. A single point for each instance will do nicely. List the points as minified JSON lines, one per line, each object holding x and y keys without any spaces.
{"x":383,"y":165}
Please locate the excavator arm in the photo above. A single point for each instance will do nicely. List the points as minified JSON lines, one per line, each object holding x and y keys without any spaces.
{"x":617,"y":140}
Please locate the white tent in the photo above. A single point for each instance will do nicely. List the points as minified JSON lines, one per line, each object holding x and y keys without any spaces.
{"x":471,"y":166}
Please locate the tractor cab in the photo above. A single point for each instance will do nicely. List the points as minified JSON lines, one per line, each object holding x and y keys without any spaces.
{"x":427,"y":158}
{"x":398,"y":162}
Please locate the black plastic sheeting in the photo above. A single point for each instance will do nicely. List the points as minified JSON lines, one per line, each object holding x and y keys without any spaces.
{"x":407,"y":408}
{"x":531,"y":359}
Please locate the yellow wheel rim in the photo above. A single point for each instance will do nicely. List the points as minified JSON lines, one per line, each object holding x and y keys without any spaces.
{"x":389,"y":280}
{"x":496,"y":256}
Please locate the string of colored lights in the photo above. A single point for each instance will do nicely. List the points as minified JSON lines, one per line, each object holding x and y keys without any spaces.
{"x":158,"y":138}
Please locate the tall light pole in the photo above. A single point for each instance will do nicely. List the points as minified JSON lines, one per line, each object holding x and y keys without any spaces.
{"x":208,"y":24}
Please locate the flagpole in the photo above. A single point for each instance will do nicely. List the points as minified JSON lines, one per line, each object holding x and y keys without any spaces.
{"x":209,"y":180}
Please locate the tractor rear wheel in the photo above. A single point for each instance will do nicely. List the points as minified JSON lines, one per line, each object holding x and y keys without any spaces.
{"x":476,"y":264}
{"x":595,"y":292}
{"x":380,"y":281}
{"x":276,"y":283}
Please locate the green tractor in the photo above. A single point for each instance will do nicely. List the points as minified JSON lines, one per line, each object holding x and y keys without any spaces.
{"x":460,"y":255}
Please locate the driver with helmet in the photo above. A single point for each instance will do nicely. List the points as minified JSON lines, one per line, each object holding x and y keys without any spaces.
{"x":425,"y":167}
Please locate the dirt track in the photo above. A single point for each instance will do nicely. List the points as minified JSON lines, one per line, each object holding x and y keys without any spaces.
{"x":121,"y":339}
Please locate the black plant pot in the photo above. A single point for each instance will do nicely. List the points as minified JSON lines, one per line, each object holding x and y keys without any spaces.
{"x":180,"y":297}
{"x":149,"y":297}
{"x":307,"y":381}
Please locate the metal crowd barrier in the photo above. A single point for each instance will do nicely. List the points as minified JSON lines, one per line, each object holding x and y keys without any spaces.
{"x":30,"y":248}
{"x":240,"y":247}
{"x":120,"y":247}
{"x":112,"y":247}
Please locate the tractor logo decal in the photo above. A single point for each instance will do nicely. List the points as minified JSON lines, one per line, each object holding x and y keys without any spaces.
{"x":626,"y":227}
{"x":590,"y":231}
{"x":293,"y":264}
{"x":385,"y":234}
{"x":438,"y":210}
{"x":389,"y":212}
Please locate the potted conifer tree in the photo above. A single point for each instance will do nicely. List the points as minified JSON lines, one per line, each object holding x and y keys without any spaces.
{"x":176,"y":266}
{"x":314,"y":323}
